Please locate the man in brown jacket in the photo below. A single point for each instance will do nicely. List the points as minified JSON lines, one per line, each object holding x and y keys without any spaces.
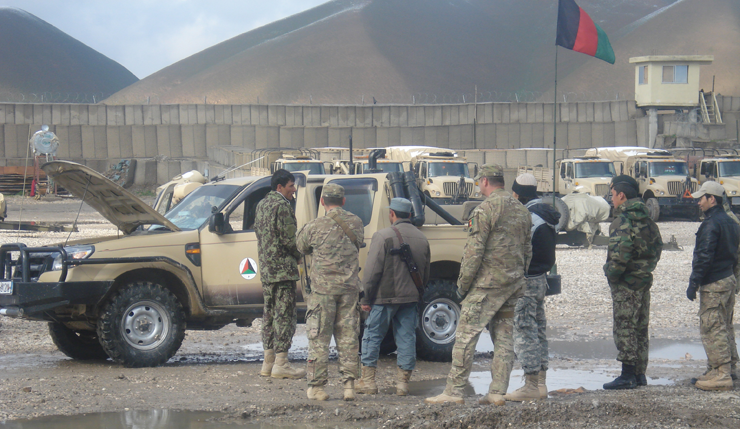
{"x":392,"y":296}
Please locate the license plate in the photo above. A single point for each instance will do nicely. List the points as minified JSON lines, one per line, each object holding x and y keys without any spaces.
{"x":6,"y":288}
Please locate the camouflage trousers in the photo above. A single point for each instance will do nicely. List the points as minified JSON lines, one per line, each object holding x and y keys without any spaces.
{"x":716,"y":310}
{"x":328,"y":315}
{"x":631,"y":321}
{"x":279,"y":316}
{"x":530,"y":324}
{"x":493,"y":308}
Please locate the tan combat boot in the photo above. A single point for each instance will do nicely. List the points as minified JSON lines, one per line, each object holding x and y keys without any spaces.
{"x":444,"y":398}
{"x":281,"y":369}
{"x":268,"y":363}
{"x":317,"y":393}
{"x":721,"y":381}
{"x":402,"y":382}
{"x":529,"y":392}
{"x":542,"y":378}
{"x":493,"y":399}
{"x":349,"y":390}
{"x":367,"y":384}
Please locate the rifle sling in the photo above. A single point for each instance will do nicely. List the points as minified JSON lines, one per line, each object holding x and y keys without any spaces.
{"x":342,"y":224}
{"x":416,"y":281}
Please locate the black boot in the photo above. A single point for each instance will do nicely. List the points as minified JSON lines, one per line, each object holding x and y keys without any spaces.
{"x":627,"y":380}
{"x":641,"y":379}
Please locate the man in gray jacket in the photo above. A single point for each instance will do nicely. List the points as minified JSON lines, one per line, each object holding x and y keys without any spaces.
{"x":392,"y":296}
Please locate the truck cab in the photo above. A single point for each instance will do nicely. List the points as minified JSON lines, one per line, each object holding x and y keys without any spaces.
{"x":586,"y":175}
{"x":298,"y":163}
{"x":724,"y":169}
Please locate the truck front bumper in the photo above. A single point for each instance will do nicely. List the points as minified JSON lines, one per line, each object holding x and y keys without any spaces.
{"x":33,"y":299}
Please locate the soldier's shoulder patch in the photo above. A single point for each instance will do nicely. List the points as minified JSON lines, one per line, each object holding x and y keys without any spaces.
{"x":473,"y":223}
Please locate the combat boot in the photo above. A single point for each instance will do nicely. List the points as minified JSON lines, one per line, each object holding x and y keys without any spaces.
{"x":366,"y":384}
{"x":626,"y":380}
{"x":529,"y":392}
{"x":349,"y":390}
{"x":444,"y":398}
{"x":708,"y":375}
{"x":268,"y":363}
{"x":721,"y":381}
{"x":402,"y":382}
{"x":541,"y":386}
{"x":281,"y":369}
{"x":317,"y":393}
{"x":641,"y":379}
{"x":492,"y":399}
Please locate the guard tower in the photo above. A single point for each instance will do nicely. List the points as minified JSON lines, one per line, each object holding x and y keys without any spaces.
{"x":671,"y":82}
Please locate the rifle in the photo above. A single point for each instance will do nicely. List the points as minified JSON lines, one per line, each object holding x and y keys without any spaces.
{"x":405,"y":252}
{"x":308,"y":279}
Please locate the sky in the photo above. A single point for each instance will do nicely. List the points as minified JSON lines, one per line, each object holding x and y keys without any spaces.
{"x":147,"y":35}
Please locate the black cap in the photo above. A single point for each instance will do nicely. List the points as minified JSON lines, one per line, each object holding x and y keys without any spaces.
{"x":627,"y":180}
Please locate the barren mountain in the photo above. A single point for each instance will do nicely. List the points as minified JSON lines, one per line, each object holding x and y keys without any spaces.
{"x":37,"y":57}
{"x":432,"y":50}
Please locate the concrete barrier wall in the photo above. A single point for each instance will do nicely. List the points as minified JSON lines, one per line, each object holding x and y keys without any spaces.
{"x":99,"y":134}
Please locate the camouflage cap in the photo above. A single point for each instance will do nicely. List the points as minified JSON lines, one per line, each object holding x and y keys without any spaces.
{"x":490,"y":170}
{"x":332,"y":190}
{"x":710,"y":188}
{"x":627,"y":180}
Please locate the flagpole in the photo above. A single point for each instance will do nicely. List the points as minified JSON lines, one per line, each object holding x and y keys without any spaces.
{"x":554,"y":127}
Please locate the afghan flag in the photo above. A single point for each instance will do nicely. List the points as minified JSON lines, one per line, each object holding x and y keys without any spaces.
{"x":578,"y":32}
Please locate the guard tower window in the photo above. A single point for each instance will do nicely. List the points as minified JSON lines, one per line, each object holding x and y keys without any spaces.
{"x":676,"y":74}
{"x":643,"y":70}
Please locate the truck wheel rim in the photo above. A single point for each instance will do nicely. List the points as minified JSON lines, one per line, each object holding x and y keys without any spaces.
{"x":145,"y":325}
{"x":439,"y":320}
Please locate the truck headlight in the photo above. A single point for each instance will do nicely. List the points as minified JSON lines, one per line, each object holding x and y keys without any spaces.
{"x":733,"y":193}
{"x":438,"y":193}
{"x":73,"y":252}
{"x":661,"y":193}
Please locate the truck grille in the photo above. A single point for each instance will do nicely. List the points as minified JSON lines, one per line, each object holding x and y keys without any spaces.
{"x":450,"y":188}
{"x":678,"y":187}
{"x":602,"y":190}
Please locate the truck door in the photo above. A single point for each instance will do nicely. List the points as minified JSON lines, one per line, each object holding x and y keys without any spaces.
{"x":566,"y":173}
{"x":230,"y":263}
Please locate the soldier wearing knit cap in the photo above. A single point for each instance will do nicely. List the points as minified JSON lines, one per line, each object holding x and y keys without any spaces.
{"x":530,"y":323}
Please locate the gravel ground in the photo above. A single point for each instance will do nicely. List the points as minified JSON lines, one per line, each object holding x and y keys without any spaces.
{"x":215,"y":370}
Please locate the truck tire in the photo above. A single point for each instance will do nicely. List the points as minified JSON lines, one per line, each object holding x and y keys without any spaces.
{"x":439,"y":312}
{"x":80,"y":345}
{"x":142,"y":325}
{"x":653,"y":208}
{"x":562,"y":208}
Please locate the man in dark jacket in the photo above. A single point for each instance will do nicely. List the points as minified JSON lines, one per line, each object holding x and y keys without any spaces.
{"x":530,"y":323}
{"x":712,"y":274}
{"x":275,"y":226}
{"x":392,"y":296}
{"x":634,"y":250}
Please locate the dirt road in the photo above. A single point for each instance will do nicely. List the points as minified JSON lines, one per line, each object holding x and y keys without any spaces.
{"x":218,"y":371}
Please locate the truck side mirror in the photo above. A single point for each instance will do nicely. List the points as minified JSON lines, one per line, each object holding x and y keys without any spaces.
{"x":216,"y":224}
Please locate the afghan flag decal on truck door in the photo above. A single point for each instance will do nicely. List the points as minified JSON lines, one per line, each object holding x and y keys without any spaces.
{"x":578,"y":32}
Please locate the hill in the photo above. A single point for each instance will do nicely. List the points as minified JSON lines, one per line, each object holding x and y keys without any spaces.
{"x":345,"y":51}
{"x":39,"y":58}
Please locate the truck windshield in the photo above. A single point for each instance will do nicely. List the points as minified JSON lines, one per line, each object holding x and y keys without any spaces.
{"x":456,"y":169}
{"x":195,"y":209}
{"x":386,"y":167}
{"x":668,"y":169}
{"x":729,"y":168}
{"x":594,"y":169}
{"x":359,"y":195}
{"x":312,"y":167}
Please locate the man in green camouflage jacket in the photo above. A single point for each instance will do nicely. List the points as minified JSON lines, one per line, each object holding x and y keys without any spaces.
{"x":333,"y":307}
{"x":634,"y":250}
{"x":495,"y":259}
{"x":275,"y":226}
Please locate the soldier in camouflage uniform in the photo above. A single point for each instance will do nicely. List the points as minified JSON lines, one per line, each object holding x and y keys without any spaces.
{"x":334,"y":241}
{"x":634,"y":250}
{"x":495,"y":259}
{"x":712,"y":274}
{"x":275,"y":226}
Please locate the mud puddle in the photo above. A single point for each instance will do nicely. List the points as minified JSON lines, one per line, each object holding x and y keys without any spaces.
{"x":158,"y":419}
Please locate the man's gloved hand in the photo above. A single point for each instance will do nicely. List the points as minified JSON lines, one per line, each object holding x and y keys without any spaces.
{"x":691,"y":291}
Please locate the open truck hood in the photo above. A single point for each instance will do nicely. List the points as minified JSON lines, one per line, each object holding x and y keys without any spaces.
{"x":116,"y":204}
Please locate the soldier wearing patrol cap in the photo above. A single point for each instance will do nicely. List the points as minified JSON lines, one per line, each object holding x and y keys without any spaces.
{"x":495,"y":260}
{"x":712,"y":275}
{"x":634,"y":250}
{"x":334,"y":241}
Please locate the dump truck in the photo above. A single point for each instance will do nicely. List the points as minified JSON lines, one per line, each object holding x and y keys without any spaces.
{"x":665,"y":182}
{"x":586,"y":175}
{"x":441,"y":174}
{"x":132,"y":295}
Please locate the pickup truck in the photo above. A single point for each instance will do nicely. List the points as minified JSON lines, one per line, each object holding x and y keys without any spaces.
{"x":131,"y":296}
